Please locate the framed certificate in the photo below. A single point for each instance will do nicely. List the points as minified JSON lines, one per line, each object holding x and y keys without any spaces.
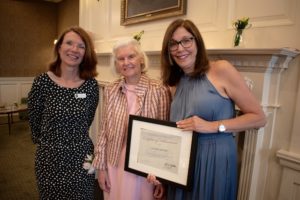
{"x":160,"y":148}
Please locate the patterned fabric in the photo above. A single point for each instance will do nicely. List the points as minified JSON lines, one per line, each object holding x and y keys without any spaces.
{"x":122,"y":181}
{"x":59,"y":120}
{"x":153,"y":102}
{"x":215,"y":173}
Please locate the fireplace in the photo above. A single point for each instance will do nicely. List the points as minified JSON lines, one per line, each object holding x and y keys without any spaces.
{"x":274,"y":74}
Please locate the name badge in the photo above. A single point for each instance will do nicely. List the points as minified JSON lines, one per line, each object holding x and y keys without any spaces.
{"x":80,"y":96}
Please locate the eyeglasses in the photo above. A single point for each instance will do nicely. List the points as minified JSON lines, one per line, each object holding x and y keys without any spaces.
{"x":185,"y":43}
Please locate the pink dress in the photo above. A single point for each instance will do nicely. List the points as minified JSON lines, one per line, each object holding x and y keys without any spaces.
{"x":125,"y":185}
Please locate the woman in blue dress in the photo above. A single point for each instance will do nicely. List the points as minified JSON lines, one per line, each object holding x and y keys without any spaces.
{"x":204,"y":97}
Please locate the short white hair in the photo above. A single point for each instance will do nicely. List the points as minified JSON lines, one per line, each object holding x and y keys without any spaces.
{"x":137,"y":48}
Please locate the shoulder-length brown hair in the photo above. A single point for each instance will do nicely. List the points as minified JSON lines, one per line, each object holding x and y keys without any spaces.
{"x":170,"y":71}
{"x":87,"y":67}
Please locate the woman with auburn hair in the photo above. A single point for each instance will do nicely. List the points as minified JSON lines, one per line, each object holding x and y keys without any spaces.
{"x":62,"y":104}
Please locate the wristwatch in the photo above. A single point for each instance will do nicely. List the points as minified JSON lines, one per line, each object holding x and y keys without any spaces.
{"x":222,"y":127}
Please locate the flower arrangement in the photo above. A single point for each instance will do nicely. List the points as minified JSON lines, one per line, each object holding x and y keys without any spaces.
{"x":240,"y":25}
{"x":138,"y":36}
{"x":87,"y":165}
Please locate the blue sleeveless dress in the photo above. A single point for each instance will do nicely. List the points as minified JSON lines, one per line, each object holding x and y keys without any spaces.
{"x":215,"y":175}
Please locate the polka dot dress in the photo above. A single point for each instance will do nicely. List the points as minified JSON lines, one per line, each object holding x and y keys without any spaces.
{"x":60,"y":118}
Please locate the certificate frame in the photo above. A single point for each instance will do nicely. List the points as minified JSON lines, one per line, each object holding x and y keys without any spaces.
{"x":158,"y":147}
{"x":137,"y":11}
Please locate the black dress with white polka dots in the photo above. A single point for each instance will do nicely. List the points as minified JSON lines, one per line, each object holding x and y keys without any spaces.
{"x":59,"y":119}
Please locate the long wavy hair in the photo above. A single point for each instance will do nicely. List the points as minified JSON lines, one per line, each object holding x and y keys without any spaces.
{"x":170,"y":70}
{"x":87,"y":68}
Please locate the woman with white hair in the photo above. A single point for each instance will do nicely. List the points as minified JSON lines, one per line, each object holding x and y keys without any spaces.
{"x":133,"y":93}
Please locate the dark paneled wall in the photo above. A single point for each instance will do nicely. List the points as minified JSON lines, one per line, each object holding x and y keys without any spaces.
{"x":68,"y":14}
{"x":28,"y":29}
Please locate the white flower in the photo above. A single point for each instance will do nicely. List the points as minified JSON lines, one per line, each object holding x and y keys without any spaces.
{"x":87,"y":165}
{"x":91,"y":170}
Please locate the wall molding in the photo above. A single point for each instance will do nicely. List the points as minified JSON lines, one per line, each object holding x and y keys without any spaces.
{"x":290,"y":183}
{"x":12,"y":89}
{"x":289,"y":159}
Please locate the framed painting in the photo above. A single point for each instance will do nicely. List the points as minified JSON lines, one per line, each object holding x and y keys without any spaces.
{"x":137,"y":11}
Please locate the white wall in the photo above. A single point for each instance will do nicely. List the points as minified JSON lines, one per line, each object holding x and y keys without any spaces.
{"x":13,"y":89}
{"x":275,"y":23}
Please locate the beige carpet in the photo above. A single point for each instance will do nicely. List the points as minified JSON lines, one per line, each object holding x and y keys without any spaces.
{"x":17,"y":179}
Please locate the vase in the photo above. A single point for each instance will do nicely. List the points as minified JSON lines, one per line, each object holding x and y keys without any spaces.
{"x":239,"y":40}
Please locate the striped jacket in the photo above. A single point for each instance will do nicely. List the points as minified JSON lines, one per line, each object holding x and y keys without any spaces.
{"x":153,"y":101}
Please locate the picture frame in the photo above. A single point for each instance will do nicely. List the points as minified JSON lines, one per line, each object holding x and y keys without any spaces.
{"x":137,"y":11}
{"x":158,"y":147}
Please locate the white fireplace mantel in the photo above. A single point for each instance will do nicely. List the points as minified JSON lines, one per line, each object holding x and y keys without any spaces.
{"x":256,"y":59}
{"x":274,"y":74}
{"x":245,"y":59}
